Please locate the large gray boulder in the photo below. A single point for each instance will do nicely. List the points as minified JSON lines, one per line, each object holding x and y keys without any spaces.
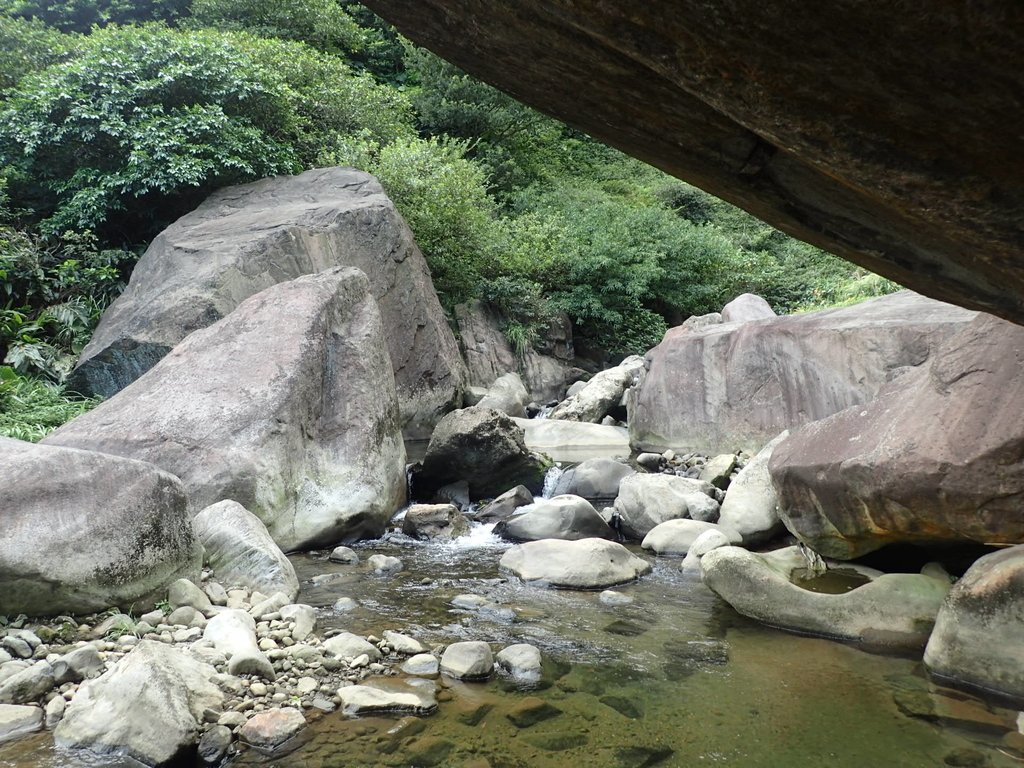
{"x":562,"y":517}
{"x":574,"y":441}
{"x":894,"y":609}
{"x":83,"y":531}
{"x":584,"y":564}
{"x":434,"y":521}
{"x":150,"y":706}
{"x":977,"y":635}
{"x":751,"y":506}
{"x":286,"y":406}
{"x":602,"y":393}
{"x":645,"y":501}
{"x":596,"y":480}
{"x":936,"y":458}
{"x":243,"y":240}
{"x":241,"y":552}
{"x":737,"y":385}
{"x":483,"y":447}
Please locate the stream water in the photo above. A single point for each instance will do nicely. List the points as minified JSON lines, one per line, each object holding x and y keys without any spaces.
{"x":675,"y":678}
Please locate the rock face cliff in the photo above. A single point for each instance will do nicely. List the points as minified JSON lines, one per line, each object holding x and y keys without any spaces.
{"x":887,"y":134}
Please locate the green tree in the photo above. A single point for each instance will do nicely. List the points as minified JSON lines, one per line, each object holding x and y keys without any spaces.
{"x":82,"y":15}
{"x":143,"y":122}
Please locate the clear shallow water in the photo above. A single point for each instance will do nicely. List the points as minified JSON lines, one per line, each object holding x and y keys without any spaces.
{"x":674,"y":679}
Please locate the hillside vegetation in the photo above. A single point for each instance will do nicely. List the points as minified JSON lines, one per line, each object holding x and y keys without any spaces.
{"x":119,"y":116}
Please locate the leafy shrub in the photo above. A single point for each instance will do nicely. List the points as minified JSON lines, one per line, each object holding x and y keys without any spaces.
{"x":82,"y":15}
{"x":443,"y":196}
{"x":31,"y":408}
{"x":323,"y":24}
{"x":143,"y":122}
{"x":27,"y":45}
{"x":521,"y":304}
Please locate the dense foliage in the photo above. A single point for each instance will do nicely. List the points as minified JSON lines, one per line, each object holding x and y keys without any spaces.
{"x":118,"y":116}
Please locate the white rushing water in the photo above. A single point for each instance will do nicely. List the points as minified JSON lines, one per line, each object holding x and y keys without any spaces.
{"x":551,"y":481}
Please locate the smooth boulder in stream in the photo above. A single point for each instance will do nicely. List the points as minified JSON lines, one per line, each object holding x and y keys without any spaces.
{"x":583,"y":564}
{"x":149,"y":706}
{"x":560,"y":517}
{"x":287,"y":406}
{"x":645,"y":501}
{"x":82,"y":531}
{"x":894,"y":610}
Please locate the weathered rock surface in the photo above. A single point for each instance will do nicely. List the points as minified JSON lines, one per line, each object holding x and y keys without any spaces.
{"x":241,"y":551}
{"x":731,"y":101}
{"x":602,"y":393}
{"x":675,"y":537}
{"x":484,"y":447}
{"x":27,"y":685}
{"x":595,"y":480}
{"x":469,"y":660}
{"x":434,"y":521}
{"x":245,"y":239}
{"x":645,"y":501}
{"x":233,"y":633}
{"x":149,"y":706}
{"x":366,"y":699}
{"x":504,"y":505}
{"x":703,"y":544}
{"x":83,"y":531}
{"x":267,"y":730}
{"x":521,"y":662}
{"x":489,"y":355}
{"x":17,"y":721}
{"x":349,"y":646}
{"x":508,"y":395}
{"x":977,"y":635}
{"x":736,"y":386}
{"x":894,"y":609}
{"x":561,"y":517}
{"x":935,"y":458}
{"x":746,"y":308}
{"x":584,"y":564}
{"x":751,"y":506}
{"x":286,"y":406}
{"x":574,"y":441}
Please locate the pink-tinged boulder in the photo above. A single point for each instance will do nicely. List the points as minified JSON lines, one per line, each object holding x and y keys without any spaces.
{"x":82,"y":531}
{"x":286,"y":406}
{"x":735,"y":386}
{"x":244,"y":239}
{"x":937,"y":457}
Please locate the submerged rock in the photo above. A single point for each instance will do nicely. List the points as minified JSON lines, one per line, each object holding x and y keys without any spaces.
{"x":83,"y":531}
{"x":894,"y":609}
{"x":522,"y":662}
{"x":287,"y":406}
{"x":482,"y":446}
{"x":561,"y":517}
{"x":396,"y":697}
{"x":584,"y":564}
{"x":241,"y":551}
{"x":978,"y":632}
{"x":268,"y":730}
{"x":936,"y":458}
{"x":149,"y":706}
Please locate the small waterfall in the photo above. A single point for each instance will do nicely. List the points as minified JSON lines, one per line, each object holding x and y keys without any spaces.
{"x":815,"y":564}
{"x":551,"y":479}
